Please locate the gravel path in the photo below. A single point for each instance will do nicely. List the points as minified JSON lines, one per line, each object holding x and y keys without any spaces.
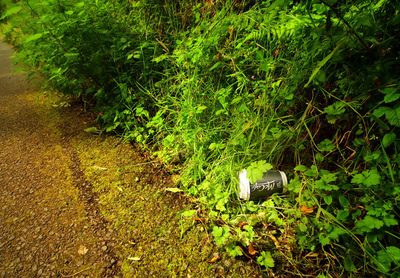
{"x":50,"y":225}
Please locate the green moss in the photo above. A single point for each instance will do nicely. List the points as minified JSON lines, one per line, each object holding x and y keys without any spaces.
{"x":145,"y":216}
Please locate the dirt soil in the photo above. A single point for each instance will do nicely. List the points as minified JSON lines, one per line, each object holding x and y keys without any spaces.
{"x":78,"y":204}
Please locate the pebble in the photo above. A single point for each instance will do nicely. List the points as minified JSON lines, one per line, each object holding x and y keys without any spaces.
{"x":104,"y":248}
{"x":40,"y":272}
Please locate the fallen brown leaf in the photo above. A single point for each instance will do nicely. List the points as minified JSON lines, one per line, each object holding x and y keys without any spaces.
{"x":306,"y":210}
{"x":251,"y":250}
{"x":215,"y":258}
{"x":199,"y":219}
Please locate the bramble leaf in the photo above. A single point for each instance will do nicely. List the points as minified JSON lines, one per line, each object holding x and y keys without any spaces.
{"x":391,"y":95}
{"x":393,"y":116}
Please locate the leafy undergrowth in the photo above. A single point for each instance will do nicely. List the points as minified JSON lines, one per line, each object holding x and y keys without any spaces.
{"x":310,"y":87}
{"x":158,"y":237}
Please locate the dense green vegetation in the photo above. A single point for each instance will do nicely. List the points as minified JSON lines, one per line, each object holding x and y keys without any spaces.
{"x":211,"y":87}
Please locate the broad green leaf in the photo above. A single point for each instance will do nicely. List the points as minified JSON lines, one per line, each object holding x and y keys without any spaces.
{"x":385,"y":258}
{"x":344,"y":202}
{"x":380,"y":111}
{"x":336,"y":233}
{"x":391,"y":95}
{"x":348,"y":264}
{"x":388,"y":139}
{"x":393,"y":116}
{"x":300,"y":168}
{"x":394,"y":252}
{"x":342,"y":215}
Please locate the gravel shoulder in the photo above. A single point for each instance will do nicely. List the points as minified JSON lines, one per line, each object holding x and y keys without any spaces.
{"x":76,"y":204}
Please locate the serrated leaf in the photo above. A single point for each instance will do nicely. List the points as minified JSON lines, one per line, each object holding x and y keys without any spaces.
{"x":394,"y":252}
{"x":393,"y":116}
{"x":368,"y":178}
{"x":391,"y":95}
{"x":326,"y":145}
{"x":368,"y":223}
{"x":391,"y":98}
{"x":220,"y":235}
{"x":390,"y":221}
{"x":265,"y":259}
{"x":234,"y":250}
{"x":385,"y":258}
{"x":256,"y":170}
{"x":336,"y":233}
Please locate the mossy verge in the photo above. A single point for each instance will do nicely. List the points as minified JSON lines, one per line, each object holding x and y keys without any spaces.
{"x":155,"y":240}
